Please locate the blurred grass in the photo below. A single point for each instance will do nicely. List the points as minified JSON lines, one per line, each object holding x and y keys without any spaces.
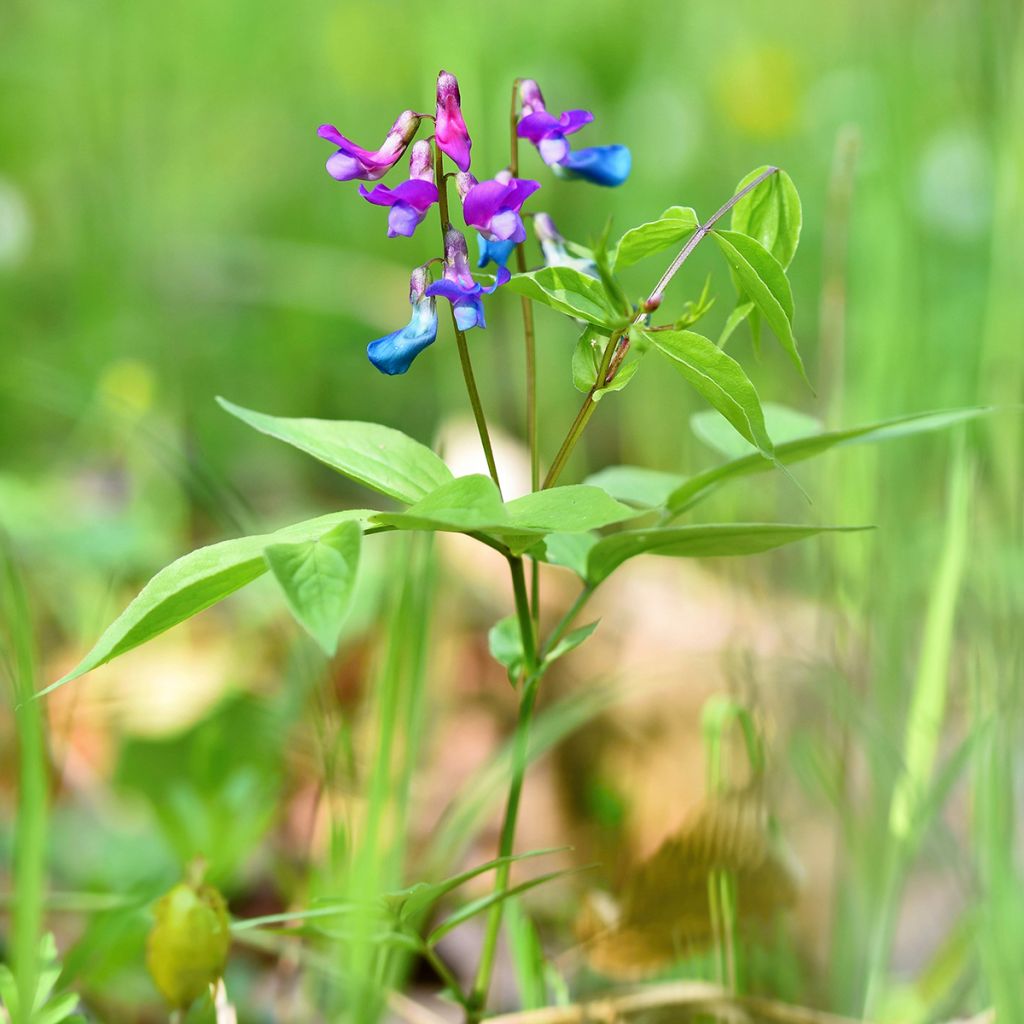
{"x":167,"y":233}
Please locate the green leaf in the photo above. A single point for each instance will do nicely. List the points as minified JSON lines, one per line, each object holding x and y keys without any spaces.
{"x":720,"y":379}
{"x":706,"y":541}
{"x":569,"y":550}
{"x":574,"y":508}
{"x":770,"y":213}
{"x":472,"y":504}
{"x":464,"y":505}
{"x":784,"y":424}
{"x":378,"y":457}
{"x":763,"y":281}
{"x":735,"y":318}
{"x":317,"y":578}
{"x":670,"y":228}
{"x":701,"y":485}
{"x":568,"y":291}
{"x":478,"y":906}
{"x":635,"y":485}
{"x":586,"y":358}
{"x":506,"y":646}
{"x":194,"y":582}
{"x":570,"y":642}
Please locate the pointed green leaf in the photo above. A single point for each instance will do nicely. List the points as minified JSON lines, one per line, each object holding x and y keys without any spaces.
{"x":506,"y":646}
{"x":770,"y":213}
{"x":702,"y":484}
{"x":381,"y":458}
{"x":763,"y":281}
{"x":720,"y":379}
{"x":574,"y":508}
{"x":194,"y":582}
{"x":317,"y":578}
{"x":570,"y":642}
{"x":568,"y":291}
{"x":784,"y":424}
{"x":465,"y":504}
{"x":569,"y":550}
{"x":669,"y":229}
{"x":707,"y":541}
{"x":635,"y":485}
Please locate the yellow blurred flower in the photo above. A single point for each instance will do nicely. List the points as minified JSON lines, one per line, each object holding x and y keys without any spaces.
{"x":757,"y":90}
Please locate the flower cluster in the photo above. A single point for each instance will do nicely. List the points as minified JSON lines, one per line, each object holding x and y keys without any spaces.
{"x":493,"y":207}
{"x":601,"y":165}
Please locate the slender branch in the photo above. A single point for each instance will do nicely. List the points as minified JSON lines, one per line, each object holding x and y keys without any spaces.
{"x":566,"y":621}
{"x":440,"y":179}
{"x":616,"y":349}
{"x":692,"y":995}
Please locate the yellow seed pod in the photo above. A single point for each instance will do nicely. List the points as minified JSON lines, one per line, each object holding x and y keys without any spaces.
{"x":187,"y":949}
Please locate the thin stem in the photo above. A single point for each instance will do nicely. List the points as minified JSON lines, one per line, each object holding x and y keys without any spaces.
{"x":530,"y":344}
{"x":583,"y":416}
{"x":529,"y":331}
{"x":520,"y":751}
{"x":444,"y":972}
{"x":615,"y":350}
{"x":460,"y":337}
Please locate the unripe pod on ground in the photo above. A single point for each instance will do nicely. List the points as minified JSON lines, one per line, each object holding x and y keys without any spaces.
{"x":187,"y":949}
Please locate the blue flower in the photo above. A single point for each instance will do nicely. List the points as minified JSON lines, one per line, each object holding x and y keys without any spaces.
{"x":497,"y":253}
{"x":395,"y":352}
{"x":600,"y":165}
{"x":553,"y":246}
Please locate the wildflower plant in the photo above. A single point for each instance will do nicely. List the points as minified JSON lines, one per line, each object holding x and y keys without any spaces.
{"x":588,"y":528}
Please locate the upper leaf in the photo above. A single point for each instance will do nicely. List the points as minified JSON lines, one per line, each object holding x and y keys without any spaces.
{"x":636,"y":485}
{"x":764,"y":282}
{"x":381,"y":458}
{"x":720,"y":379}
{"x":671,"y":227}
{"x":784,"y":424}
{"x":472,"y":504}
{"x":713,"y":540}
{"x":567,"y":290}
{"x":317,"y":578}
{"x":702,"y":484}
{"x":194,"y":582}
{"x":770,"y":213}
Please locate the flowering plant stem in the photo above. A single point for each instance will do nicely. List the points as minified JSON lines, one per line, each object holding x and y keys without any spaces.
{"x":460,"y":335}
{"x":615,"y":350}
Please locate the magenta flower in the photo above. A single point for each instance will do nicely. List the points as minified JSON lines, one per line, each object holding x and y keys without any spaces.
{"x":492,"y":207}
{"x":351,"y":161}
{"x":450,"y":128}
{"x":410,"y":201}
{"x":458,"y":285}
{"x":544,"y":130}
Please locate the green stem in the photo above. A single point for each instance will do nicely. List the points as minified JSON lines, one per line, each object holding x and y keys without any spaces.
{"x":460,"y":336}
{"x":566,"y":621}
{"x":520,"y":753}
{"x":607,"y":369}
{"x":530,"y":343}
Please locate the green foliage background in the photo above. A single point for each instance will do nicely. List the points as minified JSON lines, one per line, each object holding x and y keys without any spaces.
{"x":167,"y":233}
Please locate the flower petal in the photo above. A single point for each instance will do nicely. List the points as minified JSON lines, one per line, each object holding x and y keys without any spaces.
{"x":600,"y":165}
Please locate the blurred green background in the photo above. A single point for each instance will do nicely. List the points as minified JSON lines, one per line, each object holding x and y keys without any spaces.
{"x":168,"y":234}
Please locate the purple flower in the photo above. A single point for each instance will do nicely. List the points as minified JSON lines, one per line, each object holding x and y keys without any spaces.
{"x":450,"y":128}
{"x":544,"y":130}
{"x":351,"y":161}
{"x":458,"y":285}
{"x":395,"y":352}
{"x":410,"y":201}
{"x":553,"y":246}
{"x":492,"y":207}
